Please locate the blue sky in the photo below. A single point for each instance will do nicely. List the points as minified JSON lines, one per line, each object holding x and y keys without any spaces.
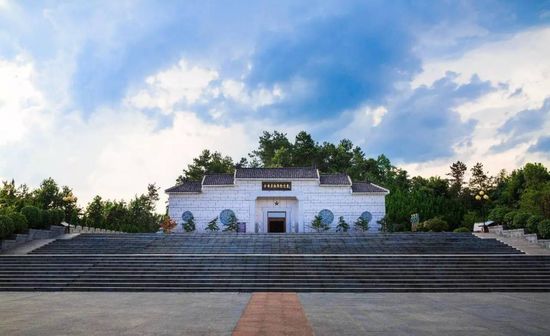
{"x":109,"y":95}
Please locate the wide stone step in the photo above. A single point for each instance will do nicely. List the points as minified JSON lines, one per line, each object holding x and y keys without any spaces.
{"x":356,"y":243}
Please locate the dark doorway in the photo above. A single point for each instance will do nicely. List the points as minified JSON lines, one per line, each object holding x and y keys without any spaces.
{"x":276,"y":225}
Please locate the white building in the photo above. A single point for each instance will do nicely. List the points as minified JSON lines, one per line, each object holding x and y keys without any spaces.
{"x":276,"y":199}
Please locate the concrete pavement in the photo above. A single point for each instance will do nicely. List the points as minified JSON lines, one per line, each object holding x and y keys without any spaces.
{"x":80,"y":313}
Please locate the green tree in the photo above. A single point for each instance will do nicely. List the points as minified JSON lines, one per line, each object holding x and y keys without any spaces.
{"x":318,"y":225}
{"x":189,"y":226}
{"x":304,"y":151}
{"x":269,"y":143}
{"x":342,"y":226}
{"x":362,"y":224}
{"x":95,"y":213}
{"x":544,"y":229}
{"x":48,"y":196}
{"x":479,"y":179}
{"x":458,"y":170}
{"x":33,"y":216}
{"x":7,"y":227}
{"x":19,"y":222}
{"x":206,"y":163}
{"x":213,"y":225}
{"x":231,"y":225}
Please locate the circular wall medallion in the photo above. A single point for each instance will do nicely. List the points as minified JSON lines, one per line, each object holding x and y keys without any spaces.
{"x":326,"y":216}
{"x":225,"y":216}
{"x":366,"y":216}
{"x":186,"y":216}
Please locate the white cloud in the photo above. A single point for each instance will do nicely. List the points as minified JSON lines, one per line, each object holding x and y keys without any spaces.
{"x":113,"y":152}
{"x":521,"y":61}
{"x":22,"y":105}
{"x":237,"y":91}
{"x":179,"y":83}
{"x":520,"y":69}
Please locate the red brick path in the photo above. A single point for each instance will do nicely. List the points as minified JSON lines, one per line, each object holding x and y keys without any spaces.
{"x":273,"y":314}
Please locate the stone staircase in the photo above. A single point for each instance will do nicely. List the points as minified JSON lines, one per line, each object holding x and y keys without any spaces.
{"x":245,"y":273}
{"x":401,"y":262}
{"x":311,"y":243}
{"x":519,"y":234}
{"x":33,"y":234}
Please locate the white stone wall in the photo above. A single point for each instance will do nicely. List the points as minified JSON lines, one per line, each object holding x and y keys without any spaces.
{"x":250,"y":204}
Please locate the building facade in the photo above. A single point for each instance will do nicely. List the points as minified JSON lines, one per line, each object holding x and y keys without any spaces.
{"x":276,"y":200}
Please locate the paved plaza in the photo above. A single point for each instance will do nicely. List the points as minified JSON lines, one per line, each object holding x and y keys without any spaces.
{"x":78,"y":313}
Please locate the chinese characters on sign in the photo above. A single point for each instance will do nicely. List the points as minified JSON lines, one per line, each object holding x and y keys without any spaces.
{"x":276,"y":185}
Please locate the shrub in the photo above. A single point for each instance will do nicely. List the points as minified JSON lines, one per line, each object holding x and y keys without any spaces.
{"x":532,"y":222}
{"x":544,"y":229}
{"x":520,"y":220}
{"x":362,"y":224}
{"x":6,"y":227}
{"x":318,"y":225}
{"x":56,"y":216}
{"x":508,"y":219}
{"x":213,"y":225}
{"x":231,"y":226}
{"x":19,"y":222}
{"x":33,"y":215}
{"x":497,"y":214}
{"x":461,"y":229}
{"x":434,"y":225}
{"x":189,"y":226}
{"x":342,"y":226}
{"x":168,"y":224}
{"x":469,"y":219}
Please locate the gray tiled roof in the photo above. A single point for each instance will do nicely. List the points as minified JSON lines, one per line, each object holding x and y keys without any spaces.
{"x":290,"y":173}
{"x":366,"y":187}
{"x":218,"y":179}
{"x":187,"y":186}
{"x":335,"y":179}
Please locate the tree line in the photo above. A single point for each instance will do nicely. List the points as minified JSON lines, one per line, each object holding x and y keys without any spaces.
{"x":517,"y":199}
{"x":22,"y":209}
{"x":442,"y":202}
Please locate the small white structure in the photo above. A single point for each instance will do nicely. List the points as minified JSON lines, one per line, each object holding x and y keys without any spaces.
{"x":276,"y":199}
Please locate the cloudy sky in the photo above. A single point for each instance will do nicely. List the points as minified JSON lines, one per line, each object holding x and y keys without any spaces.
{"x":106,"y":96}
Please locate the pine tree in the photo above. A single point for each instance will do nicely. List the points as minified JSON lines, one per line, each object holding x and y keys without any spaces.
{"x":362,"y":224}
{"x":342,"y":225}
{"x":232,"y":225}
{"x":213,"y":225}
{"x":458,"y":169}
{"x":189,"y":226}
{"x":318,"y":225}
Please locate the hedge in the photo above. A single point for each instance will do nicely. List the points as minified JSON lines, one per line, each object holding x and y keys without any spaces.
{"x":34,"y":216}
{"x":434,"y":225}
{"x":520,"y":220}
{"x":19,"y":222}
{"x":532,"y":223}
{"x":6,"y":227}
{"x":508,"y":219}
{"x":544,"y":229}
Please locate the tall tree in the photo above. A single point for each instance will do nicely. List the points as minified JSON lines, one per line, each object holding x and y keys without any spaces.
{"x":269,"y":143}
{"x":458,"y":170}
{"x":305,"y":151}
{"x":47,"y":196}
{"x":207,"y":163}
{"x":479,"y":179}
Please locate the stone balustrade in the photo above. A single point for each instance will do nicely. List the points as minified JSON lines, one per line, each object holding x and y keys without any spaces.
{"x":520,"y":234}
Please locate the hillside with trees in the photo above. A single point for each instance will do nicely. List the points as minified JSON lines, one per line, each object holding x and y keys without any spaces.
{"x":519,"y":199}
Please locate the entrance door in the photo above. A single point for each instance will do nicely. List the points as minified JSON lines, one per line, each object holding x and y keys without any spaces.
{"x":276,"y":221}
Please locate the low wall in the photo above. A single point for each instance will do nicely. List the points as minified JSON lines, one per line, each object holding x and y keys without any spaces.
{"x":33,"y":234}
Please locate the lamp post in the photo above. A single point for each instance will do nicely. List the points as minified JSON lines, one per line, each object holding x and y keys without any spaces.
{"x":482,"y":197}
